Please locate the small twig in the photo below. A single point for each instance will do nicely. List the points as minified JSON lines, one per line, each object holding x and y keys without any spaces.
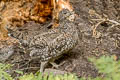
{"x":94,"y":29}
{"x":101,"y":21}
{"x":29,"y":68}
{"x":107,"y":20}
{"x":115,"y":22}
{"x":26,"y":63}
{"x":98,"y":19}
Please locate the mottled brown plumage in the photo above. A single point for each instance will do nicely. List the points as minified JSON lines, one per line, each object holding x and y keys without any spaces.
{"x":48,"y":45}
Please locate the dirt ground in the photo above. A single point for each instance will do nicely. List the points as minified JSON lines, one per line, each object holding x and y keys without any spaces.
{"x":98,"y":23}
{"x":96,"y":37}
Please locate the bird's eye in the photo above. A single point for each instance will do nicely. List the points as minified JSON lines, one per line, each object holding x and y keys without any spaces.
{"x":71,"y":17}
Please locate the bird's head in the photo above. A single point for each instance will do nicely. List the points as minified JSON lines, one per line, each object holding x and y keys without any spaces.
{"x":66,"y":14}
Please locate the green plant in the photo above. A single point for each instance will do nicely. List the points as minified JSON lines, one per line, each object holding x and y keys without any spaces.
{"x":108,"y":66}
{"x":3,"y":72}
{"x":4,"y":68}
{"x":48,"y":77}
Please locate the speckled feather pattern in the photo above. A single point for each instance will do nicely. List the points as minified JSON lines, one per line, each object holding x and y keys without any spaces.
{"x":53,"y":43}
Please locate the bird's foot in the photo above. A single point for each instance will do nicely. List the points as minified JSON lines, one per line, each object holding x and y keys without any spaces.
{"x":44,"y":64}
{"x":54,"y":65}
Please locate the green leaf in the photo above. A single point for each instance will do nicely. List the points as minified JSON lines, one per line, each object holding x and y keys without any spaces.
{"x":65,"y":76}
{"x":51,"y":77}
{"x":45,"y":76}
{"x":39,"y":76}
{"x":19,"y":72}
{"x":27,"y":77}
{"x":57,"y":78}
{"x":7,"y":76}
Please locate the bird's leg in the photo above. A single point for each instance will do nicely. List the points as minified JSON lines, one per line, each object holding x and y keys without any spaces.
{"x":52,"y":62}
{"x":54,"y":65}
{"x":42,"y":66}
